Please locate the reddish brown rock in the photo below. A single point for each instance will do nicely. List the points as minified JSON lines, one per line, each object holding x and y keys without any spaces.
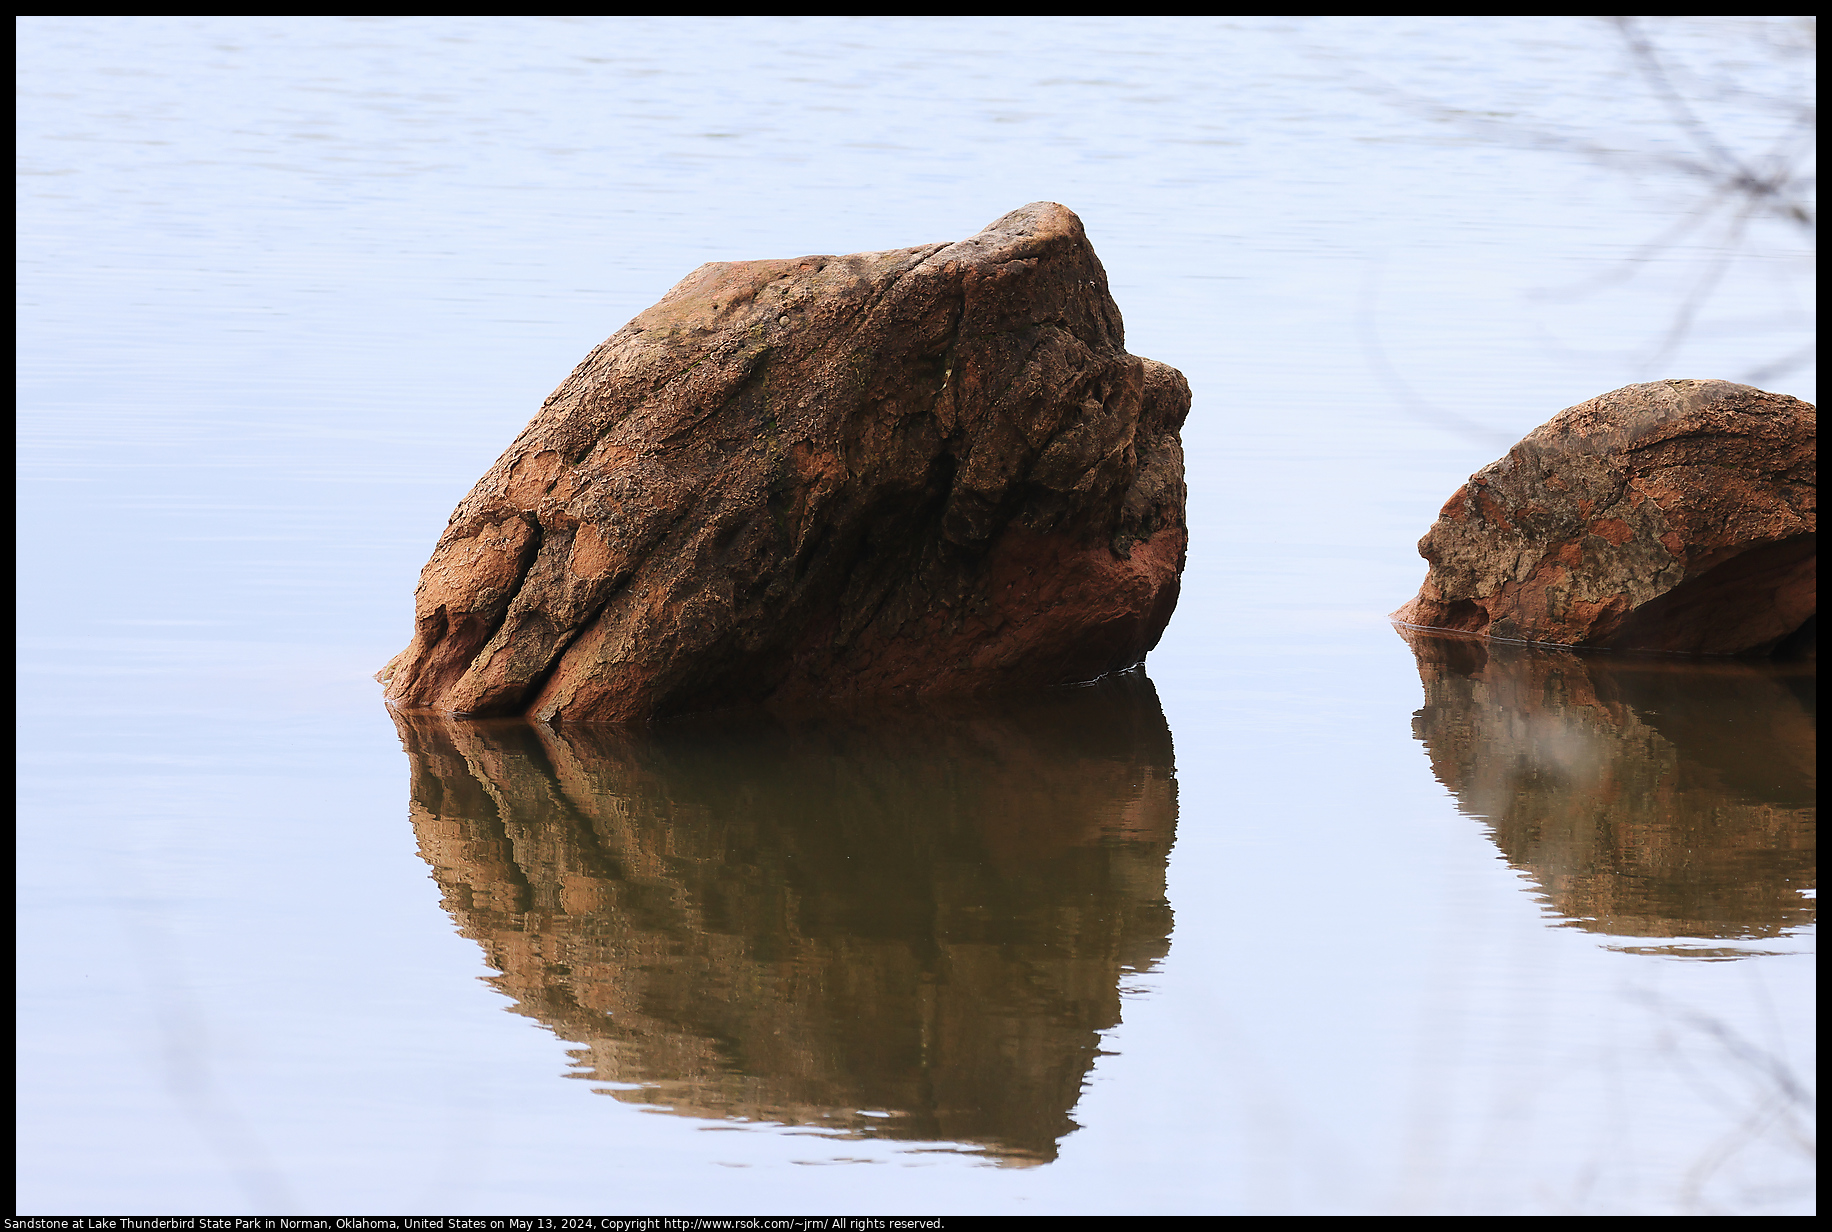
{"x":933,"y":470}
{"x":1675,"y":516}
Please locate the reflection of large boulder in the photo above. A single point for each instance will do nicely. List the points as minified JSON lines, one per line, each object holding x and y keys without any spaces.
{"x":1676,"y":515}
{"x":933,"y":470}
{"x":1648,"y":796}
{"x":898,"y":926}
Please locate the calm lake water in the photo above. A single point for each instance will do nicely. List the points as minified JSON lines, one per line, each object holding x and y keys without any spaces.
{"x":1301,"y":919}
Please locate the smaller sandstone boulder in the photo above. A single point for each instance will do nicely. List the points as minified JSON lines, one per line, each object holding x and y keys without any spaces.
{"x":1672,"y":516}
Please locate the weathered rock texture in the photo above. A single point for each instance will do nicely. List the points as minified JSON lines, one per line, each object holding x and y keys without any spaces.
{"x":908,"y":926}
{"x":934,"y":470}
{"x":1676,"y":516}
{"x":1647,"y":797}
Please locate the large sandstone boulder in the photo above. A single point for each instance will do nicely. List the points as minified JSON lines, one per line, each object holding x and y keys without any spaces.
{"x":933,"y":470}
{"x":1676,"y":516}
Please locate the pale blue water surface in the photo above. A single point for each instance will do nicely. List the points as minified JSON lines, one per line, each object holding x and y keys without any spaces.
{"x":288,"y":285}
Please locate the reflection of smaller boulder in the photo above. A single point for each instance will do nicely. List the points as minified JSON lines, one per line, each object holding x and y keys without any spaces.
{"x":905,"y":926}
{"x":1648,"y":796}
{"x":1675,"y":516}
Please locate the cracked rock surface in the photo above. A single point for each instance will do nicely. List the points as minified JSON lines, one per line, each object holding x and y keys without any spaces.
{"x":1672,"y":516}
{"x":925,"y":471}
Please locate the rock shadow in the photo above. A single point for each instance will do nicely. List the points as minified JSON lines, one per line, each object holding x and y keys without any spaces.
{"x":908,"y":926}
{"x":1647,"y":796}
